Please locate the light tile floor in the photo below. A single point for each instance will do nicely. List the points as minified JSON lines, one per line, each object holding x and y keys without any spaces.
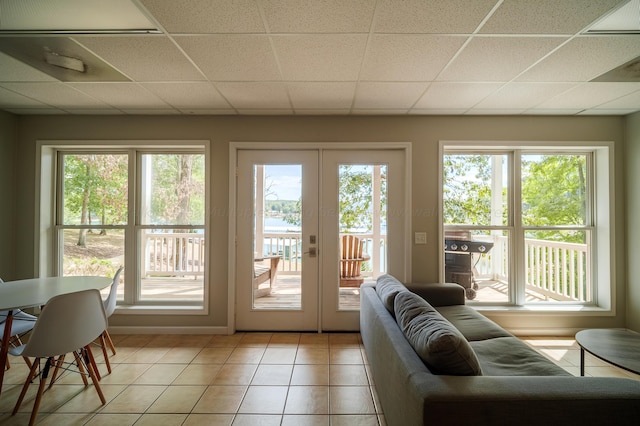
{"x":245,"y":379}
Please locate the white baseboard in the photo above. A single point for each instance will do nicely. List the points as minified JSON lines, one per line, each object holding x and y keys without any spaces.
{"x":167,"y":330}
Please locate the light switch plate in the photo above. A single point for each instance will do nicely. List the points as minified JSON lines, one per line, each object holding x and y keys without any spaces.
{"x":420,"y":238}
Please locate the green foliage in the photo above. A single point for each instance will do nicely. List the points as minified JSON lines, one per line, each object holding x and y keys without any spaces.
{"x":280,"y":207}
{"x":103,"y":179}
{"x":177,"y":189}
{"x":467,"y":189}
{"x":554,"y":189}
{"x":554,"y":194}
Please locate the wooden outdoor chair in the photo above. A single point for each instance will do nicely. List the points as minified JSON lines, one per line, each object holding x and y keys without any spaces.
{"x":351,"y":261}
{"x":263,"y":272}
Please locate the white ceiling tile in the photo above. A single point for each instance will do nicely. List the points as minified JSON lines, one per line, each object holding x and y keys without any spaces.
{"x":232,"y":57}
{"x":81,"y":15}
{"x":523,"y":95}
{"x":322,"y":95}
{"x":484,"y":58}
{"x":143,"y":58}
{"x":631,"y":101}
{"x":10,"y":99}
{"x":55,"y":94}
{"x":252,"y":95}
{"x":589,"y":95}
{"x":188,"y":95}
{"x":388,"y":95}
{"x":584,"y":58}
{"x":122,"y":95}
{"x":207,"y":16}
{"x":318,"y":16}
{"x":431,"y":16}
{"x":546,"y":16}
{"x":455,"y":95}
{"x":320,"y":57}
{"x":408,"y":57}
{"x":13,"y":70}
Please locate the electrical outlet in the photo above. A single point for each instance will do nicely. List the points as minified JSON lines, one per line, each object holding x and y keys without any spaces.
{"x":420,"y":238}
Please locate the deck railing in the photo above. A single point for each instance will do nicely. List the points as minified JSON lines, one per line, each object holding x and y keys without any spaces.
{"x":555,"y":270}
{"x":173,"y":255}
{"x":289,"y":246}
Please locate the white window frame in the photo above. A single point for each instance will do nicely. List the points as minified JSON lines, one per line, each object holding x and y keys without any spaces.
{"x":600,"y":222}
{"x":47,"y":262}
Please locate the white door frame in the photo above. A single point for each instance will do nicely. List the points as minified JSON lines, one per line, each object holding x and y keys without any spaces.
{"x":234,"y":147}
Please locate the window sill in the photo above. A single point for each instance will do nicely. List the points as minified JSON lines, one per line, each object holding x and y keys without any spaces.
{"x":161,"y":310}
{"x":544,"y":309}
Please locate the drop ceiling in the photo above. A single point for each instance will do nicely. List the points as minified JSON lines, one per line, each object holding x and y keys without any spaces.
{"x":321,"y":57}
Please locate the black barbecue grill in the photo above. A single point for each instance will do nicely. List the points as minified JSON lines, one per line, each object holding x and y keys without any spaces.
{"x":458,"y":260}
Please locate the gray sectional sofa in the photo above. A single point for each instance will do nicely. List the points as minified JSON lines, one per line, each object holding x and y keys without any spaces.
{"x":436,"y":361}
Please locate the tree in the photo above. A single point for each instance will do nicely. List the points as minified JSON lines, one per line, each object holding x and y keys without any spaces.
{"x":467,"y":189}
{"x":95,"y":183}
{"x":554,"y":191}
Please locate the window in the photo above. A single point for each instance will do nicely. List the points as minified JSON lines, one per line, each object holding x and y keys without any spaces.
{"x":137,"y":207}
{"x":519,"y":224}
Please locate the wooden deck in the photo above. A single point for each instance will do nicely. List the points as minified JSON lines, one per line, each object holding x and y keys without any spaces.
{"x":285,"y":293}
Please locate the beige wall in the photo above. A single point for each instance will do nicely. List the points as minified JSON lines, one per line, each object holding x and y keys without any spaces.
{"x":424,"y":133}
{"x":8,"y":156}
{"x":632,"y":166}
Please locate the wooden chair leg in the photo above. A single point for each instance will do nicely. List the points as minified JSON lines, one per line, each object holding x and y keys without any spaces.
{"x":109,"y":341}
{"x":80,"y":364}
{"x":43,"y":382}
{"x":33,"y":372}
{"x":92,"y":361}
{"x":57,"y":363}
{"x":92,"y":369}
{"x":103,"y":345}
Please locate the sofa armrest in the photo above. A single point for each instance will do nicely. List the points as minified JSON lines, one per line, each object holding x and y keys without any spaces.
{"x":439,"y":294}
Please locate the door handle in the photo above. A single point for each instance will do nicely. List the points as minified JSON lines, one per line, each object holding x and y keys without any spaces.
{"x":312,"y":252}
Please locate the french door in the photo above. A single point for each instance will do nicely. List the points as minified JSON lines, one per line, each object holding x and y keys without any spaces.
{"x":295,"y":211}
{"x":277,"y":266}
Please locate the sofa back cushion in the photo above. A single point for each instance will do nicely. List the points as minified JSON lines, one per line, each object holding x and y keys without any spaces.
{"x":438,"y":343}
{"x":387,"y":288}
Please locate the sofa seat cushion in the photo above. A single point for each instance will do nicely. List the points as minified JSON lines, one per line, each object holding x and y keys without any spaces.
{"x":509,"y":356}
{"x":387,"y":288}
{"x":440,"y":346}
{"x":472,"y":325}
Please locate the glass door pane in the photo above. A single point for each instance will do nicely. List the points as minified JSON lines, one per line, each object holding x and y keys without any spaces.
{"x":361,"y":239}
{"x":277,"y":240}
{"x":362,"y":227}
{"x":277,"y":236}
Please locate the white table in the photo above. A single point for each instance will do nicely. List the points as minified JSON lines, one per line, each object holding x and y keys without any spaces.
{"x":37,"y":292}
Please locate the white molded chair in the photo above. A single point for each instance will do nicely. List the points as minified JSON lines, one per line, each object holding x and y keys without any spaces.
{"x":109,"y":307}
{"x":21,"y":324}
{"x":68,"y":323}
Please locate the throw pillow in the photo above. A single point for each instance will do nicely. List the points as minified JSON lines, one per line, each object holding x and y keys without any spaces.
{"x":387,"y":288}
{"x":436,"y":341}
